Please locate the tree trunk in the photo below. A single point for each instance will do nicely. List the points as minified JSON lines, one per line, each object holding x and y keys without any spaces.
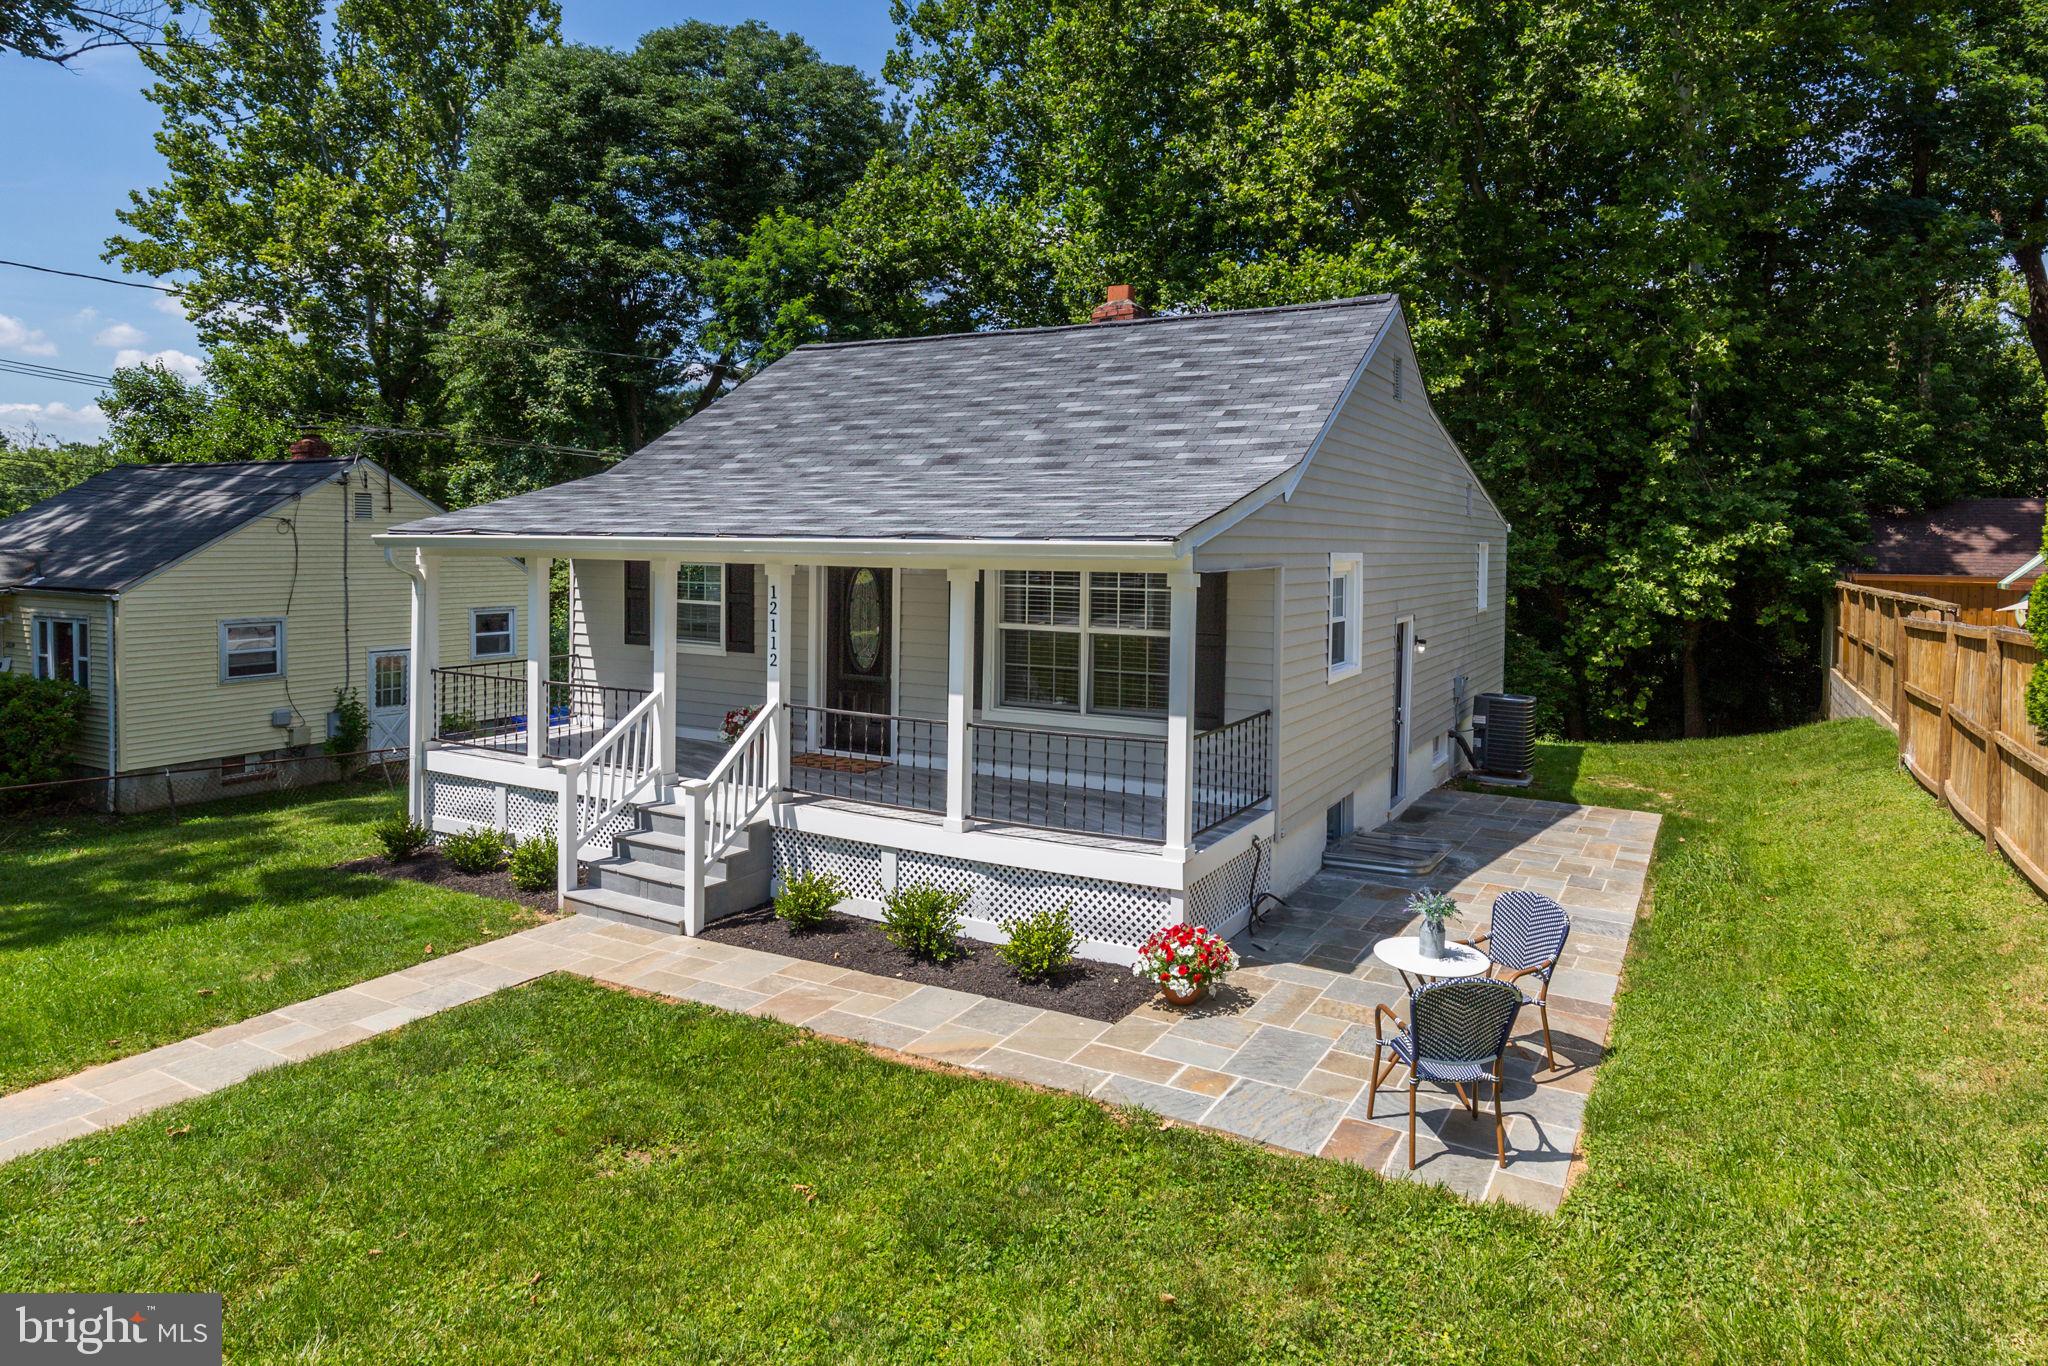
{"x":1689,"y":668}
{"x":2035,"y":272}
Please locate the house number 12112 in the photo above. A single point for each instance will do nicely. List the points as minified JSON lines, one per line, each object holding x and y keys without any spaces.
{"x":774,"y":626}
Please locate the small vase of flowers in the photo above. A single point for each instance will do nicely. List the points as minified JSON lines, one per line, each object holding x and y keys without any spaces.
{"x":1184,"y":960}
{"x":1434,"y":908}
{"x":736,"y":722}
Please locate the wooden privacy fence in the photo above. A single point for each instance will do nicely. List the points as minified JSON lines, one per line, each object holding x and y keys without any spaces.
{"x":1868,"y":626}
{"x":1964,"y":733}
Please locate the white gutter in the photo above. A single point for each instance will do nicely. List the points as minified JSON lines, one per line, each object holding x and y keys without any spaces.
{"x":809,"y":549}
{"x":2029,"y":567}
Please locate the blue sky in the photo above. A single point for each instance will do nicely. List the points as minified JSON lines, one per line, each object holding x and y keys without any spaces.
{"x":83,"y":138}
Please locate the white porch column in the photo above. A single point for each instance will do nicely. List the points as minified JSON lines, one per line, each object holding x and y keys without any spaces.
{"x":425,"y":655}
{"x":1180,"y":715}
{"x":776,"y":692}
{"x":661,"y":635}
{"x":539,"y":568}
{"x":959,"y":696}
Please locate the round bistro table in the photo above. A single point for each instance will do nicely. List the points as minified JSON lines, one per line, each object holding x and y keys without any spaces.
{"x":1404,"y":955}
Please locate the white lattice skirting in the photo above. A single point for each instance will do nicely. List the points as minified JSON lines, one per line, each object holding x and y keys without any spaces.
{"x":469,"y":803}
{"x":1112,"y":918}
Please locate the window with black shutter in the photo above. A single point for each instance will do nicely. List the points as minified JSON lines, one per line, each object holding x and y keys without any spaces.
{"x":739,"y":609}
{"x":1212,"y":628}
{"x":639,"y":601}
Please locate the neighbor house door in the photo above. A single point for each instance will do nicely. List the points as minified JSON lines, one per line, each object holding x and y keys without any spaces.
{"x":1404,"y":652}
{"x":390,"y":691}
{"x":859,"y":640}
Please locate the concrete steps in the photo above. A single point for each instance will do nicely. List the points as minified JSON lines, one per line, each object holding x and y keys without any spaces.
{"x":644,"y":882}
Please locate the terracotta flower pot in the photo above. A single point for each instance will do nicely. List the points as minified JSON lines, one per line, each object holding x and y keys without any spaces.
{"x":1184,"y":996}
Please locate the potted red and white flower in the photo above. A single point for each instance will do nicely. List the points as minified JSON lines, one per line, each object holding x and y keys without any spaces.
{"x":736,"y":722}
{"x":1184,"y":960}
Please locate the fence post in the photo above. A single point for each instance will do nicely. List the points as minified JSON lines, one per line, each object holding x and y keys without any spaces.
{"x":1944,"y":751}
{"x":1990,"y":713}
{"x":1898,"y":666}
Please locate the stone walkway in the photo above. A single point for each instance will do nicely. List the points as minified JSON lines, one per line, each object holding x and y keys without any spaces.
{"x":1280,"y":1056}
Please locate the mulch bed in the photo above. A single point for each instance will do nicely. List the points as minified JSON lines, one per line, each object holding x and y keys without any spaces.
{"x":431,"y":867}
{"x":1095,"y":991}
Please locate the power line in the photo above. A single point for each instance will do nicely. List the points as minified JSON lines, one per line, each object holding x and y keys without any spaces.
{"x":462,"y":336}
{"x":32,"y":370}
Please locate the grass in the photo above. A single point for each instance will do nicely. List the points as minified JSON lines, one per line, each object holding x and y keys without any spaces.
{"x":1821,"y":1136}
{"x":119,"y":934}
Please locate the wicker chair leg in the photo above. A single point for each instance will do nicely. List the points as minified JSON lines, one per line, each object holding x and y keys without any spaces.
{"x":1373,"y":1093}
{"x":1549,"y":1053}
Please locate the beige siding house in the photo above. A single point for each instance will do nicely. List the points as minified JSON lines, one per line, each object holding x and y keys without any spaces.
{"x":1129,"y":616}
{"x":222,"y":606}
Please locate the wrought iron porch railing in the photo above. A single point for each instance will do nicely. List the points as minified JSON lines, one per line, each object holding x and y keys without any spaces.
{"x":897,"y":761}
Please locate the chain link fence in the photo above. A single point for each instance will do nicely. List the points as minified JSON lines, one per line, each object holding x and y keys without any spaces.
{"x":184,"y":785}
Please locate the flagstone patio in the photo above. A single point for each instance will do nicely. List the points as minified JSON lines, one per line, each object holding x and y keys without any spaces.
{"x":1280,"y":1055}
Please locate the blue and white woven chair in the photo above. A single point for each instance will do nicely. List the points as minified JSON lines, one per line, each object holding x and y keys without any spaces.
{"x":1525,"y":940}
{"x":1456,"y":1035}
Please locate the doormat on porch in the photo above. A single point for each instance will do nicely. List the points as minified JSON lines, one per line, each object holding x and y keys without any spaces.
{"x":838,"y":763}
{"x":1379,"y":852}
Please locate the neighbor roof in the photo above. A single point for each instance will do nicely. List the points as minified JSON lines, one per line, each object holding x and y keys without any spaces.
{"x":123,"y":524}
{"x":1103,"y":431}
{"x":1984,"y":538}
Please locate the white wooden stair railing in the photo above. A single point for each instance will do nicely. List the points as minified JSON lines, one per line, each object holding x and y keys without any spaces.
{"x":621,"y":768}
{"x":723,"y":804}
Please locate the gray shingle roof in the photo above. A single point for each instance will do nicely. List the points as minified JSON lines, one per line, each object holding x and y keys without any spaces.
{"x":1975,"y":538}
{"x":124,"y":524}
{"x":1106,"y":431}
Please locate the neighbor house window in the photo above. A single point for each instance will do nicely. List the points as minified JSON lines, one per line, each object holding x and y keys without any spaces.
{"x":700,"y":606}
{"x":1347,"y":577}
{"x":1058,"y":630}
{"x":251,"y":649}
{"x":491,"y":632}
{"x":63,"y":647}
{"x":1483,"y":552}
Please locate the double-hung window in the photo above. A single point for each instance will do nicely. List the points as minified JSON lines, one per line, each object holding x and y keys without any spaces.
{"x":63,"y":650}
{"x":700,"y":607}
{"x":251,"y":649}
{"x":493,"y":632}
{"x":1347,"y":596}
{"x":1093,"y":644}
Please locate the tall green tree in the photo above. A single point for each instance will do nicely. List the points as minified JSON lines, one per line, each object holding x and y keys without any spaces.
{"x":311,"y":156}
{"x":1694,"y":286}
{"x":633,"y":228}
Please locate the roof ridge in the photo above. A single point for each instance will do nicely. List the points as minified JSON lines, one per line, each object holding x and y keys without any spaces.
{"x":1353,"y":301}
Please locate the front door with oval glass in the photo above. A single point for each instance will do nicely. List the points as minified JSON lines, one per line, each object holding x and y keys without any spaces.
{"x":858,"y":648}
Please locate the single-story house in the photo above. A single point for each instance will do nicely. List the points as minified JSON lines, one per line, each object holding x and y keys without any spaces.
{"x":1982,"y":554}
{"x":1131,"y":616}
{"x":213,"y":610}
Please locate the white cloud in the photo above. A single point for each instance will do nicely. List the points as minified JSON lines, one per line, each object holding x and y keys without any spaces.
{"x":120,"y":334}
{"x":55,"y":419}
{"x":16,"y":335}
{"x":185,"y":366}
{"x":86,"y":317}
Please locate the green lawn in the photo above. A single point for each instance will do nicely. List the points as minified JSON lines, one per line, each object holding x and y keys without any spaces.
{"x":1822,"y":1136}
{"x":119,"y":934}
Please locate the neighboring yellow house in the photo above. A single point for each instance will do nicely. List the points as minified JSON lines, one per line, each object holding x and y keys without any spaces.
{"x":213,"y":610}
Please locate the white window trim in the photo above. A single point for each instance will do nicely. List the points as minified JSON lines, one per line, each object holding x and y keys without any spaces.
{"x":81,"y":633}
{"x":1483,"y":560}
{"x":698,"y":647}
{"x":222,"y":642}
{"x":511,"y":649}
{"x":1052,"y":718}
{"x":1354,"y":566}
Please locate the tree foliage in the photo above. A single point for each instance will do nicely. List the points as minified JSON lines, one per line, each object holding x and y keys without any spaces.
{"x":311,"y":157}
{"x":60,"y":31}
{"x":1695,"y":287}
{"x":634,"y":230}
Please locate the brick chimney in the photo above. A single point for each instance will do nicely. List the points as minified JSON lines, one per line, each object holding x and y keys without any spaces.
{"x":309,"y":446}
{"x":1119,"y":307}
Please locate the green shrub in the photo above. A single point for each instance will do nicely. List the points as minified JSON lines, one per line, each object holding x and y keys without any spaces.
{"x":924,"y":920}
{"x":40,"y":719}
{"x":1040,"y":944}
{"x":2037,"y":682}
{"x":475,"y":850}
{"x":400,"y":837}
{"x":533,"y":864}
{"x":806,"y":899}
{"x":352,"y":723}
